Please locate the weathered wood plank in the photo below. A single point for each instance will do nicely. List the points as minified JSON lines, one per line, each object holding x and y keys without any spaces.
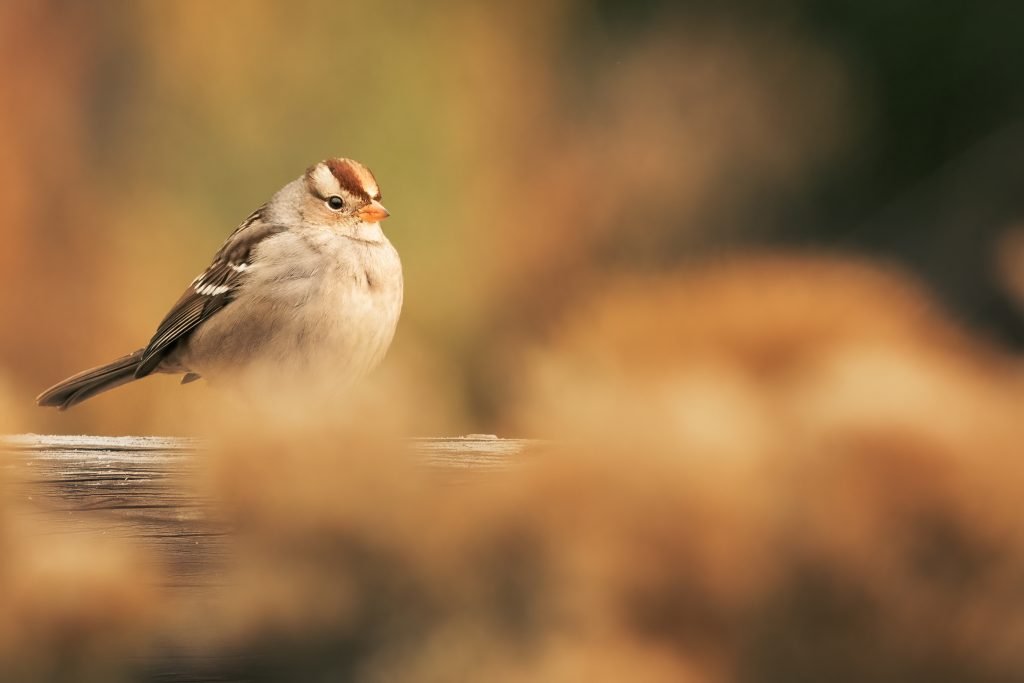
{"x":142,"y":479}
{"x":138,"y":488}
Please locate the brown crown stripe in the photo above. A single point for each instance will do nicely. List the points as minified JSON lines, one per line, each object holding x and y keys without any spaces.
{"x":354,"y":177}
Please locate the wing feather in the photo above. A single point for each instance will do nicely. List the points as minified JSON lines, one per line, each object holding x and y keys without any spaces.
{"x":210,"y":292}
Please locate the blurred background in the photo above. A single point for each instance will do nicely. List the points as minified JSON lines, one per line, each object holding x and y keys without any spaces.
{"x":757,"y":268}
{"x":527,"y":153}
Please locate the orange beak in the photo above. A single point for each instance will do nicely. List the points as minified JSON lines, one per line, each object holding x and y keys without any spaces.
{"x":373,"y":212}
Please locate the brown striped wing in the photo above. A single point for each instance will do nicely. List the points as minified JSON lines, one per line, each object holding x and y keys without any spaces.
{"x":208,"y":293}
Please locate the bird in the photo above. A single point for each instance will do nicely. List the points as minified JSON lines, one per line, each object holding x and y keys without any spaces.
{"x":306,"y":288}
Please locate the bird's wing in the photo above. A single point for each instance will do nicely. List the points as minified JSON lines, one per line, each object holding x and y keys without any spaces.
{"x":210,"y":292}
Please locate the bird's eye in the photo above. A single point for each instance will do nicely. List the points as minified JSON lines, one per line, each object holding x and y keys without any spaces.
{"x":335,"y":203}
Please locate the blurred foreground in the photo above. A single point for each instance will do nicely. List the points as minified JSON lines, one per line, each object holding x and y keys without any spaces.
{"x":768,"y":469}
{"x":776,"y":467}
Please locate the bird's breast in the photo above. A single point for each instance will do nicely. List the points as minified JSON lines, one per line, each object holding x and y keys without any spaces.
{"x":329,"y":309}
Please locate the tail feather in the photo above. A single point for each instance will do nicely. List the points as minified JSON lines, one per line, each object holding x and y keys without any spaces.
{"x":88,"y":383}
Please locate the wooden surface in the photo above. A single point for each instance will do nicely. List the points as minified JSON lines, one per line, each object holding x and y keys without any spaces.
{"x":136,"y":487}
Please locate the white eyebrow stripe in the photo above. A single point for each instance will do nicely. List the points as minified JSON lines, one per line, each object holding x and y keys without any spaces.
{"x":325,"y":182}
{"x":367,"y":181}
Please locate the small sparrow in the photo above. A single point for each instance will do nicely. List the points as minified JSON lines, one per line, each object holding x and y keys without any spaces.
{"x":307,"y":287}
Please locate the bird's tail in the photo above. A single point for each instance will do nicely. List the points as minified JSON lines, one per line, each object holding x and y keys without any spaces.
{"x":88,"y":383}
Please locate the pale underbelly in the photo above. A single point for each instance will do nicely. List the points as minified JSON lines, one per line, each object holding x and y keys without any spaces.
{"x":324,"y":335}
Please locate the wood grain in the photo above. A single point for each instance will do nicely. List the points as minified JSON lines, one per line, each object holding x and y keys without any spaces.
{"x":139,"y":488}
